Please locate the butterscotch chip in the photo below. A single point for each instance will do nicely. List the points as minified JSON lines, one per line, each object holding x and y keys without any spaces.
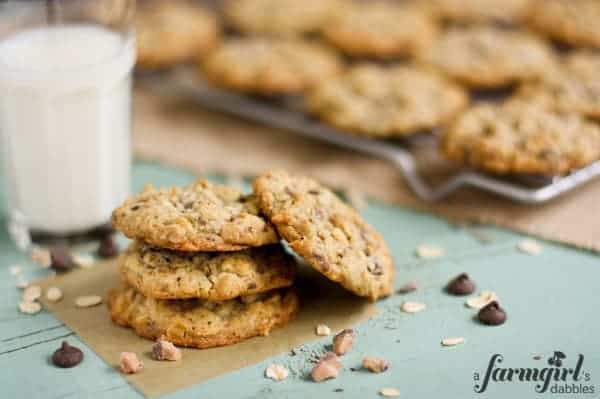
{"x":165,"y":274}
{"x":486,"y":57}
{"x":197,"y":217}
{"x":520,"y":137}
{"x":505,"y":11}
{"x":379,"y":29}
{"x":279,"y":17}
{"x":171,"y":32}
{"x":270,"y":66}
{"x":331,"y":236}
{"x":380,"y":101}
{"x":574,"y":22}
{"x":200,"y":323}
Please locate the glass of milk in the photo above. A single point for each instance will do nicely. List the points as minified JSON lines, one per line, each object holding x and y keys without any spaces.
{"x":65,"y":113}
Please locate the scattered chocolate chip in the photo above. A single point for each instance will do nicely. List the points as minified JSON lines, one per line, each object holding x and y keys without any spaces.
{"x":492,"y":314}
{"x":108,"y":248}
{"x":537,"y":357}
{"x":338,"y":390}
{"x":461,"y":285}
{"x":67,"y":356}
{"x":61,"y":258}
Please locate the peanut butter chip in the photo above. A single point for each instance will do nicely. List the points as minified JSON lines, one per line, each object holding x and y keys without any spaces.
{"x":87,"y":301}
{"x":389,"y":392}
{"x":413,"y":307}
{"x":451,"y":341}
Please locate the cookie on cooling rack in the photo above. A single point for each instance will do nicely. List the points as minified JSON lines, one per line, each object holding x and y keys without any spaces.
{"x":467,"y":11}
{"x":487,"y":57}
{"x":379,"y":30}
{"x":269,"y":66}
{"x":573,"y":22}
{"x":279,"y":17}
{"x":521,"y":138}
{"x":169,"y":33}
{"x":381,"y":101}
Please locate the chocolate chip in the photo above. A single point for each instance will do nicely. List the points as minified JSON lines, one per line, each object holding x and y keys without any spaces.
{"x":108,"y":248}
{"x":492,"y":314}
{"x":61,"y":258}
{"x":67,"y":356}
{"x":461,"y":285}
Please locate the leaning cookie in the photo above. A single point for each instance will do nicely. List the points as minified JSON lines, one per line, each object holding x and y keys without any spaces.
{"x":573,"y":22}
{"x":279,"y":18}
{"x":521,"y":138}
{"x":379,"y":30}
{"x":380,"y":101}
{"x":199,"y":323}
{"x":197,"y":217}
{"x":216,"y":276}
{"x":488,"y":58}
{"x":478,"y":11}
{"x":330,"y":235}
{"x":270,"y":66}
{"x":169,"y":33}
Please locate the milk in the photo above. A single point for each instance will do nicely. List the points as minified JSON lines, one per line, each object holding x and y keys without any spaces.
{"x":65,"y":120}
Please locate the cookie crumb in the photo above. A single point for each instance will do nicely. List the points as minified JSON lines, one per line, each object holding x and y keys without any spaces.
{"x":375,"y":364}
{"x":452,"y":341}
{"x":328,"y":367}
{"x":41,"y":256}
{"x":413,"y":307}
{"x":54,"y":294}
{"x":84,"y":261}
{"x":408,"y":287}
{"x":322,"y":330}
{"x":129,"y":363}
{"x":276,"y":372}
{"x":343,"y":341}
{"x":530,"y":247}
{"x":30,"y":307}
{"x":483,"y":299}
{"x":87,"y":301}
{"x":31,"y":293}
{"x":389,"y":392}
{"x":165,"y":350}
{"x":427,"y":252}
{"x":15,"y":270}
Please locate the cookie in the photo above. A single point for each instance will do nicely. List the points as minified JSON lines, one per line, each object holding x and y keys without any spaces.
{"x":488,"y":58}
{"x":198,"y":217}
{"x":216,"y":276}
{"x":379,"y":30}
{"x":270,"y":66}
{"x":169,"y":33}
{"x":583,"y":64}
{"x":280,"y":18}
{"x":330,"y":235}
{"x":478,"y":11}
{"x":199,"y":323}
{"x":573,"y":22}
{"x":386,"y":102}
{"x":521,"y":138}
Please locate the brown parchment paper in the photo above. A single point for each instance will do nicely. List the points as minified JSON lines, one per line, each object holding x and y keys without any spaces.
{"x":319,"y":299}
{"x":176,"y":132}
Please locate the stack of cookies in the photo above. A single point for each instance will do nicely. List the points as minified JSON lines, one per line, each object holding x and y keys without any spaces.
{"x":206,"y":267}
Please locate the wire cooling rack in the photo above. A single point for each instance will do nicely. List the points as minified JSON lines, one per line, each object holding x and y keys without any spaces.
{"x":285,"y":114}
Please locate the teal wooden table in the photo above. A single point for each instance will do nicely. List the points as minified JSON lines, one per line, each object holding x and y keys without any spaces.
{"x":552,"y":299}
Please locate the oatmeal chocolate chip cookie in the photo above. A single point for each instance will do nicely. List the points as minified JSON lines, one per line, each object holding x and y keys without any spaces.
{"x":573,"y":22}
{"x":282,"y":18}
{"x":583,"y":64}
{"x":200,"y":323}
{"x":386,"y":102}
{"x":331,"y":236}
{"x":505,"y":11}
{"x":216,"y":276}
{"x":198,"y":217}
{"x":519,"y":137}
{"x":270,"y":66}
{"x":172,"y":32}
{"x":486,"y":57}
{"x":379,"y":30}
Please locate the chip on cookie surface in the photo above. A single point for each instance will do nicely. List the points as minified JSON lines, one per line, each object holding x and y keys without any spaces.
{"x":198,"y":217}
{"x":216,"y":276}
{"x":330,"y":235}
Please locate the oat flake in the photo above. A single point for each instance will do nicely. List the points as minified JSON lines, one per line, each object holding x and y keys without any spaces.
{"x":426,"y":252}
{"x":451,"y":341}
{"x":276,"y":372}
{"x":30,"y":307}
{"x":88,"y":301}
{"x":413,"y":307}
{"x":31,"y":293}
{"x":389,"y":392}
{"x":530,"y":247}
{"x":54,"y":294}
{"x":483,"y":299}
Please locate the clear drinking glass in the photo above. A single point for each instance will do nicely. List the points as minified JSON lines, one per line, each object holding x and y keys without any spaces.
{"x":65,"y":113}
